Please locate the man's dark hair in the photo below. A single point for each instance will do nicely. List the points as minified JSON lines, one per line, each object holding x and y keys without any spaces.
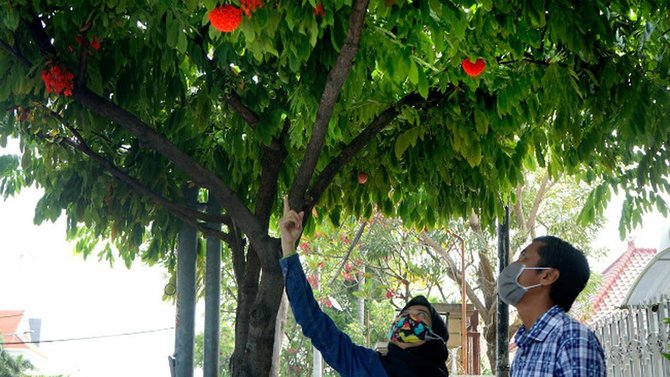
{"x":572,"y":264}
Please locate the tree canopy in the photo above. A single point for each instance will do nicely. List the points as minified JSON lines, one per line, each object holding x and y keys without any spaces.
{"x":118,"y":104}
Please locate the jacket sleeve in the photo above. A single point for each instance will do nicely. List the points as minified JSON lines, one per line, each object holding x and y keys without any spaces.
{"x":337,"y":349}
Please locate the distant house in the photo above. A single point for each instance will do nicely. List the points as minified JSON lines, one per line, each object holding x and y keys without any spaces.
{"x":21,"y":335}
{"x":618,"y":279}
{"x":628,"y":312}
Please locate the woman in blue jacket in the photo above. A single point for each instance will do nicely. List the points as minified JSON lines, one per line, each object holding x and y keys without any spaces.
{"x":417,"y":339}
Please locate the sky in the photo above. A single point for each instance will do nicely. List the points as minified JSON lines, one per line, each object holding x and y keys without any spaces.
{"x":81,"y":298}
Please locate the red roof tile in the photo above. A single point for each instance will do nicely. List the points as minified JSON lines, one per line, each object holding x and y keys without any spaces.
{"x":618,"y":279}
{"x":9,"y":323}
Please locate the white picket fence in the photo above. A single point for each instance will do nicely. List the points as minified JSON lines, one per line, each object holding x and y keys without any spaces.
{"x":635,"y":339}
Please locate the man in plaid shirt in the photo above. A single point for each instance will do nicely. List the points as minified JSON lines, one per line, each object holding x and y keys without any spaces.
{"x":542,"y":284}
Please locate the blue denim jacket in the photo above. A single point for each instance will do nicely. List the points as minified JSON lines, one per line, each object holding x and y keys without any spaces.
{"x":347,"y":358}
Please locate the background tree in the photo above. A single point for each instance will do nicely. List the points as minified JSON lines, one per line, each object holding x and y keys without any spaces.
{"x":119,"y":104}
{"x":541,"y":206}
{"x":14,"y":366}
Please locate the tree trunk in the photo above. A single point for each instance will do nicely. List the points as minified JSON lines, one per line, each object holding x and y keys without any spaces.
{"x":280,"y":327}
{"x":258,"y":304}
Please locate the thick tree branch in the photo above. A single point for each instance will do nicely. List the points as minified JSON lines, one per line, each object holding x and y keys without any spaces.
{"x":430,"y":242}
{"x":200,"y":176}
{"x":359,"y":142}
{"x":545,"y":186}
{"x":249,"y":116}
{"x":271,"y":162}
{"x":174,"y":208}
{"x":158,"y":142}
{"x":141,"y":189}
{"x":83,"y":60}
{"x":518,"y":209}
{"x":334,"y":82}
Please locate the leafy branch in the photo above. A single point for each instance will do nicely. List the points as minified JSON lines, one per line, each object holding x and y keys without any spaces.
{"x":158,"y":142}
{"x":185,"y":214}
{"x":334,"y":82}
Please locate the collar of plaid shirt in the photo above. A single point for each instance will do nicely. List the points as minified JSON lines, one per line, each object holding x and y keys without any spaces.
{"x":540,"y":329}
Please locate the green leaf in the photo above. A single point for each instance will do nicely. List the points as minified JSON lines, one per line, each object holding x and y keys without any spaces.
{"x":481,"y":122}
{"x":413,"y":74}
{"x":423,"y":84}
{"x":8,"y":164}
{"x":182,"y":43}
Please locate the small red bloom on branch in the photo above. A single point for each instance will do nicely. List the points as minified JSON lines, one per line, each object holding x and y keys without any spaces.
{"x":250,"y":6}
{"x":57,"y":79}
{"x":94,"y":43}
{"x":473,"y":69}
{"x":318,"y":10}
{"x":225,"y":18}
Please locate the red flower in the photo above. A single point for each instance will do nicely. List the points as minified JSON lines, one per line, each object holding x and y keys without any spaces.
{"x":389,"y":294}
{"x":250,"y":6}
{"x":473,"y":69}
{"x":318,"y":10}
{"x":225,"y":18}
{"x":305,"y":247}
{"x":94,"y":43}
{"x":57,"y":79}
{"x":313,"y":280}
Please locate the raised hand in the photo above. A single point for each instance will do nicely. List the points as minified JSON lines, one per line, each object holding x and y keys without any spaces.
{"x":290,"y":228}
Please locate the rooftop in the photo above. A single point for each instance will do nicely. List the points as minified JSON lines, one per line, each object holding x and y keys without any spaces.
{"x":618,"y":279}
{"x":9,"y":327}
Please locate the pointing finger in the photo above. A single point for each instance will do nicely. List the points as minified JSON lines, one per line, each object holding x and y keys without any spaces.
{"x":286,"y":205}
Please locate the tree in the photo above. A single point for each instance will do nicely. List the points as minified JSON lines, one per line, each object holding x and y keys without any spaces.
{"x":119,"y":104}
{"x":541,"y":205}
{"x":13,"y":366}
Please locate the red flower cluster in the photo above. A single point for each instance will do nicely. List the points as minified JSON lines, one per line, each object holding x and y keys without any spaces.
{"x":250,"y":6}
{"x":58,"y":79}
{"x":225,"y":18}
{"x":473,"y":69}
{"x":313,"y":280}
{"x":305,"y":247}
{"x":318,"y":10}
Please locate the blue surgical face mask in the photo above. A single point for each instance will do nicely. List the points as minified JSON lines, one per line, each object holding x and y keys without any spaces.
{"x":509,"y":289}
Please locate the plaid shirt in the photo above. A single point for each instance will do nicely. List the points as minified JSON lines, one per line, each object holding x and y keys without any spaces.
{"x":557,"y":345}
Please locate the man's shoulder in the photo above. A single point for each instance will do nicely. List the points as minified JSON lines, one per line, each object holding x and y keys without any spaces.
{"x":562,"y":325}
{"x":569,"y":330}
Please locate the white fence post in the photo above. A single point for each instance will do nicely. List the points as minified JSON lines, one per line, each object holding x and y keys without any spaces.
{"x":635,"y":339}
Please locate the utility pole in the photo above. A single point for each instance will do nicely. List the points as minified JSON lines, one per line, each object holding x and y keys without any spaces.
{"x":186,"y":257}
{"x":502,"y":350}
{"x":212,"y":296}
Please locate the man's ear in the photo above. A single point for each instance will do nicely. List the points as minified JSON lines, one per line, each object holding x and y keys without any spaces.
{"x":550,"y":276}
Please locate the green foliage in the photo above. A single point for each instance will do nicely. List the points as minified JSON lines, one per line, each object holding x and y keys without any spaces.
{"x":667,"y":355}
{"x":14,"y":366}
{"x":581,"y":89}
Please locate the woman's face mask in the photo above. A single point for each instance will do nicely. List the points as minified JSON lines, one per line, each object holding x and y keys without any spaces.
{"x":410,"y":329}
{"x":509,"y":289}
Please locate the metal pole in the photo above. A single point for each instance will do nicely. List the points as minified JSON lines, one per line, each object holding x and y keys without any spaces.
{"x":186,"y":257}
{"x":464,"y":303}
{"x":212,"y":296}
{"x":502,"y":350}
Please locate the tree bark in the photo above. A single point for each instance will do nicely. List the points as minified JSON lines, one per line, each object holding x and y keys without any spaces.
{"x":280,"y":327}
